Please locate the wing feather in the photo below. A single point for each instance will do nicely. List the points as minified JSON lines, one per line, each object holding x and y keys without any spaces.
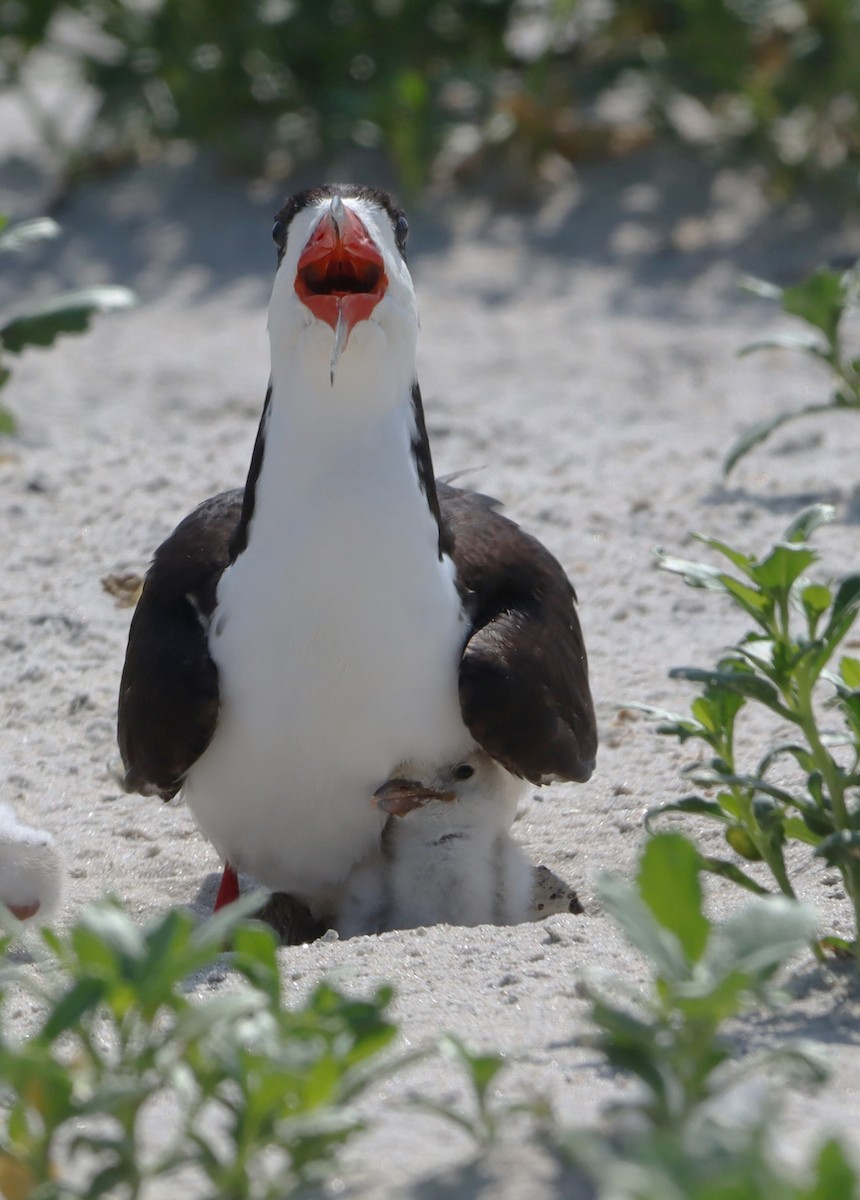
{"x":169,"y":697}
{"x":524,"y":689}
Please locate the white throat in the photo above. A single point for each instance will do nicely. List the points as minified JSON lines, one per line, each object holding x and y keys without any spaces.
{"x":338,"y":630}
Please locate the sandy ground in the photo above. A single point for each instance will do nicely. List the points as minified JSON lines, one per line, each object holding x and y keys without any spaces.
{"x":579,"y":358}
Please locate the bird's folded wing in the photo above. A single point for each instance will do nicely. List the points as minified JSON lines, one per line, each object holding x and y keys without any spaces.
{"x":524,"y":690}
{"x":169,"y":699}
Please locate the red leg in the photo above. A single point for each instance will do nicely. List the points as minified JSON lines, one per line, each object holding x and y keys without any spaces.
{"x":229,"y":889}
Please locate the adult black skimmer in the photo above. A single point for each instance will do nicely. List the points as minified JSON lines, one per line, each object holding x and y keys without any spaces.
{"x":343,"y":613}
{"x":31,"y":870}
{"x":446,"y":854}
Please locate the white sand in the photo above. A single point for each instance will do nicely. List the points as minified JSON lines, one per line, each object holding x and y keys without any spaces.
{"x":580,"y":357}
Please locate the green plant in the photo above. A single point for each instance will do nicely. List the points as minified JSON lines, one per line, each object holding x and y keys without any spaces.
{"x":270,"y":82}
{"x":486,"y":1117}
{"x":688,"y":1133}
{"x":258,"y":1095}
{"x":778,"y":79}
{"x":42,"y":323}
{"x":822,"y":300}
{"x":783,"y":664}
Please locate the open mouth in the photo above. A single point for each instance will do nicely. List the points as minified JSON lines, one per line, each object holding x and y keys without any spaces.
{"x":341,"y":275}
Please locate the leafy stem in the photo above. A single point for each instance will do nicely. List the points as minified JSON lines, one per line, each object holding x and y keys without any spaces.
{"x":777,"y":668}
{"x":822,"y":301}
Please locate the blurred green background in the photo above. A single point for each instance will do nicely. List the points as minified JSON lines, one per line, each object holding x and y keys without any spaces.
{"x":447,"y":89}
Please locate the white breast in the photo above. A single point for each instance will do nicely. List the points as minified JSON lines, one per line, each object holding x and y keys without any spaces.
{"x":337,"y":636}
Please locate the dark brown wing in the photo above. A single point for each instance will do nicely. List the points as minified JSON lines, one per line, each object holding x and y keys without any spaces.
{"x":524,"y":689}
{"x":168,"y":697}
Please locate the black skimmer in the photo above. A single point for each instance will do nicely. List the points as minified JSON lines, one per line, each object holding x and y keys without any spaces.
{"x":446,"y":854}
{"x":31,"y":870}
{"x":297,"y":639}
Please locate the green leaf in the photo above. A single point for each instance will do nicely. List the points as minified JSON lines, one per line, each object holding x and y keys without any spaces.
{"x":255,"y":956}
{"x":699,"y":575}
{"x":704,"y":710}
{"x":111,"y":932}
{"x":798,"y":829}
{"x":819,"y":300}
{"x":807,"y":521}
{"x":448,"y":1113}
{"x":728,"y":870}
{"x":668,"y":881}
{"x":835,"y":1178}
{"x":759,"y":287}
{"x":7,"y":421}
{"x":755,"y":784}
{"x":809,"y":343}
{"x":840,"y":849}
{"x":695,"y":805}
{"x":83,"y":997}
{"x":849,"y":669}
{"x":844,"y":611}
{"x":740,"y":560}
{"x":778,"y":570}
{"x":759,"y":938}
{"x":742,"y":843}
{"x":67,"y":313}
{"x":839,"y":947}
{"x":757,"y":433}
{"x":742,"y":683}
{"x":799,"y":752}
{"x":482,"y":1069}
{"x":107,"y":1179}
{"x":625,"y":906}
{"x":211,"y":937}
{"x":753,"y":602}
{"x":660,"y":714}
{"x":26,"y":232}
{"x":816,"y":599}
{"x":628,"y":1044}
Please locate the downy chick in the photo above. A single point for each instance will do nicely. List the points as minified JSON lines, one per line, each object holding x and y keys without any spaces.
{"x":446,"y":854}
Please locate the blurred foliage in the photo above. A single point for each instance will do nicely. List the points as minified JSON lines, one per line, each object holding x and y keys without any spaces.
{"x":41,"y":323}
{"x":792,"y":663}
{"x":699,"y":1124}
{"x":259,"y":1097}
{"x":268,"y":82}
{"x":779,"y":76}
{"x":443,"y":86}
{"x":823,"y":301}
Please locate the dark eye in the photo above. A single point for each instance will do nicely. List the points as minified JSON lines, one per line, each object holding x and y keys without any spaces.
{"x":401,"y":230}
{"x":463,"y":771}
{"x":279,"y":234}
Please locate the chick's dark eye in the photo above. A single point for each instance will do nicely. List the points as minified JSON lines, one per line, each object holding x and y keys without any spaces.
{"x":463,"y":771}
{"x":401,"y":230}
{"x":279,"y":234}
